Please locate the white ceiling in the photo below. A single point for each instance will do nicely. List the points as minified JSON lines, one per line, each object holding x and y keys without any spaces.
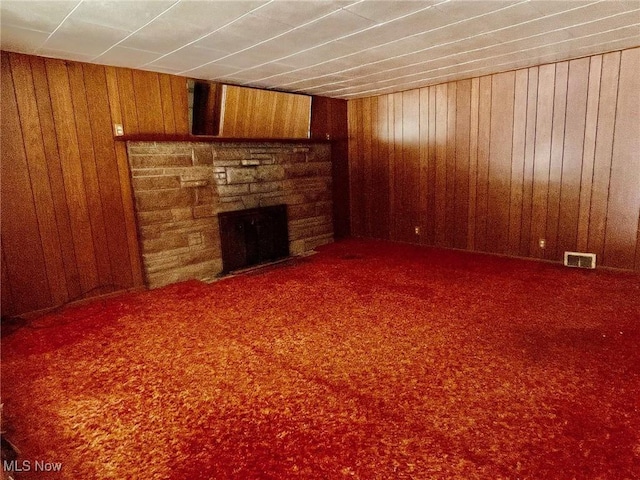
{"x":342,"y":49}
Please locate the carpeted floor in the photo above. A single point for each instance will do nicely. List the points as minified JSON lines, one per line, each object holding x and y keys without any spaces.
{"x":369,"y":360}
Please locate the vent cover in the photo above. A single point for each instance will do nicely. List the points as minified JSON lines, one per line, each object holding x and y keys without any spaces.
{"x":580,"y":260}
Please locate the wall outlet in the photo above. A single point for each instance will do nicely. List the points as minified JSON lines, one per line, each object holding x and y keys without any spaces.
{"x":417,"y":230}
{"x":542,"y":243}
{"x":118,"y":129}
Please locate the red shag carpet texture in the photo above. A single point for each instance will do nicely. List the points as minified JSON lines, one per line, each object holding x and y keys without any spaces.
{"x":368,"y":360}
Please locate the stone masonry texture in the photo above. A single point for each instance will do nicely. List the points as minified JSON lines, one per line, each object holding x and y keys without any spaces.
{"x":180,"y":187}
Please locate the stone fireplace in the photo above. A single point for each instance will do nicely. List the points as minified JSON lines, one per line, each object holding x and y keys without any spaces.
{"x":180,"y":187}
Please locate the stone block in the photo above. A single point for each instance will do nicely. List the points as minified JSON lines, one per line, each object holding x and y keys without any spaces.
{"x":181,"y":214}
{"x":311,"y":243}
{"x":291,"y":199}
{"x":251,"y":201}
{"x":151,"y":218}
{"x":310,"y":169}
{"x":193,"y":183}
{"x":204,"y":195}
{"x":176,"y":148}
{"x":304,"y":210}
{"x":146,"y":172}
{"x":264,"y":187}
{"x":296,"y":247}
{"x":195,"y":238}
{"x":198,"y":271}
{"x":168,"y":241}
{"x":158,"y":264}
{"x":269,"y":173}
{"x":242,"y":175}
{"x":204,"y":211}
{"x":233,"y":190}
{"x":308,"y":183}
{"x":200,"y":256}
{"x":163,"y":199}
{"x":202,"y":155}
{"x":166,"y":160}
{"x":155,"y":183}
{"x":308,"y":231}
{"x":229,"y":206}
{"x":250,"y":162}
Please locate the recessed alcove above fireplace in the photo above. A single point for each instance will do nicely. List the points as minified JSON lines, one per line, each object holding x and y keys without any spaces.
{"x":180,"y":188}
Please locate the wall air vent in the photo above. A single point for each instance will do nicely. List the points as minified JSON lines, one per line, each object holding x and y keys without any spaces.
{"x":580,"y":260}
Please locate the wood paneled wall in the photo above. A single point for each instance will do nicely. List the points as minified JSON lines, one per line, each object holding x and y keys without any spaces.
{"x":499,"y":162}
{"x":254,"y":113}
{"x":329,"y":122}
{"x":68,"y":227}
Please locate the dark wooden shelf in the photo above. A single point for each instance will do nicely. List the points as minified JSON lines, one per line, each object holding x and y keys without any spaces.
{"x":161,"y":137}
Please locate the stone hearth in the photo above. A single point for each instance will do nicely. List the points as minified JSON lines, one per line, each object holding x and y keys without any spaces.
{"x":180,"y":187}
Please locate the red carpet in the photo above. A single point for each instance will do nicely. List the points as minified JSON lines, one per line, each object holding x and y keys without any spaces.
{"x":369,"y":360}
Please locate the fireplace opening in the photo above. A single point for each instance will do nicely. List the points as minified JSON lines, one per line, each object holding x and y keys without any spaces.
{"x":253,"y":236}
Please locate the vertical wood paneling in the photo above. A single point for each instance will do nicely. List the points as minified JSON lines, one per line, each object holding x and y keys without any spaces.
{"x":542,"y":158}
{"x":555,"y":166}
{"x":578,"y":83}
{"x":355,"y":168}
{"x":624,"y":191}
{"x":517,"y":161}
{"x":367,"y":171}
{"x":107,"y":175}
{"x":329,"y":120}
{"x":87,"y":161}
{"x":399,"y":209}
{"x":450,"y":166}
{"x":122,"y":162}
{"x":148,"y":100}
{"x":602,"y":154}
{"x":5,"y":291}
{"x":168,"y":116}
{"x":423,"y":167}
{"x":442,"y":123}
{"x":482,"y":179}
{"x":39,"y":176}
{"x":529,"y":153}
{"x":181,"y":104}
{"x":549,"y":152}
{"x":253,"y":113}
{"x":127,"y":96}
{"x":23,"y":252}
{"x":382,"y":162}
{"x":56,"y":178}
{"x":463,"y":124}
{"x":499,"y":176}
{"x":473,"y":163}
{"x":68,"y":225}
{"x":411,"y":164}
{"x":588,"y":152}
{"x":74,"y":184}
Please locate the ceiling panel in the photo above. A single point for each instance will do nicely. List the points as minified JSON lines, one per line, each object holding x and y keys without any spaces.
{"x":342,"y":48}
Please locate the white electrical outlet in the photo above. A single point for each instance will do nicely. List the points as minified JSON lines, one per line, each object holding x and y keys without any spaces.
{"x":118,"y":129}
{"x":417,"y":230}
{"x":542,"y":243}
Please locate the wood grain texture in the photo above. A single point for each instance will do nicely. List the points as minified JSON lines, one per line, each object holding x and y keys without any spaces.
{"x":253,"y":113}
{"x":624,"y":190}
{"x":68,"y":224}
{"x":22,"y":250}
{"x":329,"y":121}
{"x":500,"y":147}
{"x":549,"y":152}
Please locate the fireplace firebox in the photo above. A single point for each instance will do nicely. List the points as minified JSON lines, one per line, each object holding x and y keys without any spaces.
{"x":253,"y":236}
